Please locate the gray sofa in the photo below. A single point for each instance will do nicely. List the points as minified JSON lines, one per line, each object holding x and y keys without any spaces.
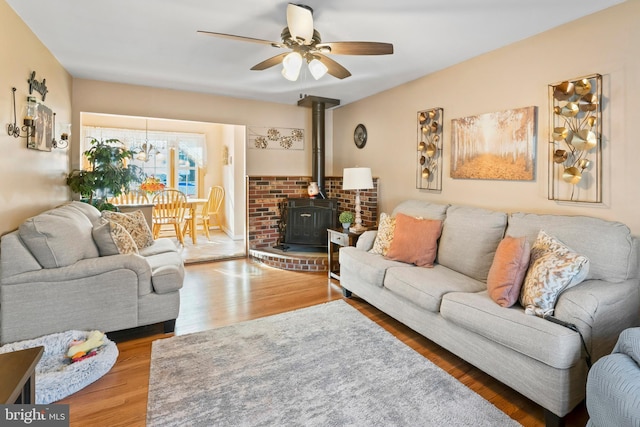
{"x":53,"y":279}
{"x":613,"y":384}
{"x":450,"y":305}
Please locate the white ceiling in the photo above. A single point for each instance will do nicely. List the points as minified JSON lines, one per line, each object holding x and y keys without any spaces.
{"x":154,"y":42}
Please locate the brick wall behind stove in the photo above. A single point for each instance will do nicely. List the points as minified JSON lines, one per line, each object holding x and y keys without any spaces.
{"x":266,"y":192}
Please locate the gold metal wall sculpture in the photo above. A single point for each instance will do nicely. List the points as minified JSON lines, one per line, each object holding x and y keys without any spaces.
{"x":429,"y":160}
{"x":575,"y":146}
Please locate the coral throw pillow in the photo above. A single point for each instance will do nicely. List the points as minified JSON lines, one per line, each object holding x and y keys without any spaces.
{"x":553,"y":268}
{"x":507,"y":271}
{"x":384,"y":236}
{"x":415,"y":240}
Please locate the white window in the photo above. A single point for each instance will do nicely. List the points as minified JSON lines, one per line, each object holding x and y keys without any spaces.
{"x":176,"y":158}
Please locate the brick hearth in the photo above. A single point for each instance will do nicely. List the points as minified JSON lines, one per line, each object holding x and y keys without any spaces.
{"x":264,"y":195}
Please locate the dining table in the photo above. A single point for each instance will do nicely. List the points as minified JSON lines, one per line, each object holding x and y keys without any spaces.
{"x":191,"y":204}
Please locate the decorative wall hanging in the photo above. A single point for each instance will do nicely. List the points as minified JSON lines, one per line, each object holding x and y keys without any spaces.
{"x":429,"y":162}
{"x":225,"y":155}
{"x":275,"y":138}
{"x":44,"y":130}
{"x":497,"y":145}
{"x":575,"y":143}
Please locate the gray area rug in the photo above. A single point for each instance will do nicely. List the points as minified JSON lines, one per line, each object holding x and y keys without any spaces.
{"x":327,"y":365}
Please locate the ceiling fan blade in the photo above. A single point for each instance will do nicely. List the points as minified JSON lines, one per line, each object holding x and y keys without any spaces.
{"x":333,"y":68}
{"x":300,"y":22}
{"x":268,"y":63}
{"x":356,"y":48}
{"x":241,"y":38}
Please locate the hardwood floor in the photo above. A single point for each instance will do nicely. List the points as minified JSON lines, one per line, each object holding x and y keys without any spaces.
{"x":225,"y":292}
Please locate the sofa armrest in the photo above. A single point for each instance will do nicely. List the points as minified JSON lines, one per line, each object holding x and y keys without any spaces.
{"x":167,"y":279}
{"x":601,"y":310}
{"x":87,"y":268}
{"x":366,"y":239}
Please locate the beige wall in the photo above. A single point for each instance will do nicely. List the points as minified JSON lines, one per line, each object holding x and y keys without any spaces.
{"x":211,"y":131}
{"x":515,"y":76}
{"x":30,"y":181}
{"x":120,"y":99}
{"x":113,"y":98}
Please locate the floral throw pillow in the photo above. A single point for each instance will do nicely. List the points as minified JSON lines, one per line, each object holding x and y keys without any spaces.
{"x":386,"y":227}
{"x":553,"y":268}
{"x":113,"y":239}
{"x":135,"y":223}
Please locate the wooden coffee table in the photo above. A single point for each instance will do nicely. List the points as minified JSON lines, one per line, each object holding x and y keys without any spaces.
{"x":17,"y":376}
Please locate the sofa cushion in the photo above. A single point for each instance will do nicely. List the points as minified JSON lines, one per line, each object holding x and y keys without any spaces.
{"x":161,"y":245}
{"x":470,"y":237}
{"x":59,"y":237}
{"x":607,"y":244}
{"x":366,"y":240}
{"x":540,"y":339}
{"x":508,"y":269}
{"x":415,"y":240}
{"x":371,"y":268}
{"x":426,"y":287}
{"x":421,"y":209}
{"x":87,"y":209}
{"x":135,"y":223}
{"x":112,"y":239}
{"x":553,"y":268}
{"x":384,"y":236}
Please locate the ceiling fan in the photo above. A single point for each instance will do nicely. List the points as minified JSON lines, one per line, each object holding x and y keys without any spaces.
{"x":306,"y":45}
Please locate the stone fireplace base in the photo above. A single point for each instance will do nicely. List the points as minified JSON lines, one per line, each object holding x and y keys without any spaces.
{"x":292,"y":260}
{"x":265,"y":193}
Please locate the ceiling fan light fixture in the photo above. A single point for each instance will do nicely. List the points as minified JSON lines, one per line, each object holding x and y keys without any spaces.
{"x":291,"y":65}
{"x":300,"y":22}
{"x":317,"y":68}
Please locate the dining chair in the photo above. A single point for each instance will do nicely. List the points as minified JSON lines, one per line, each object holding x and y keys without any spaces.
{"x":135,"y":197}
{"x":169,"y":209}
{"x":210,"y":208}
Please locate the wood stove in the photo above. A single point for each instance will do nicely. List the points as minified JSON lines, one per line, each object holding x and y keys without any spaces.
{"x":307,"y":221}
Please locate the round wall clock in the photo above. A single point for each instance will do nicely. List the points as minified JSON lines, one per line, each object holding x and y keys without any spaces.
{"x":360,"y":136}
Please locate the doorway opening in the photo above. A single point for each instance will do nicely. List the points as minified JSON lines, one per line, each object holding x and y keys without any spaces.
{"x":191,"y":157}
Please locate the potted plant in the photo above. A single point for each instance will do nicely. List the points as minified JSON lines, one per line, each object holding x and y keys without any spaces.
{"x":346,"y":218}
{"x":108,"y":174}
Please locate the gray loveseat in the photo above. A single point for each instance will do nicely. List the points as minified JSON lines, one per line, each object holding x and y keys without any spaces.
{"x":53,"y":279}
{"x":450,"y":304}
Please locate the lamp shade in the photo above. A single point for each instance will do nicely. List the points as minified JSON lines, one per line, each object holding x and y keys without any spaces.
{"x":357,"y":179}
{"x":291,"y":65}
{"x":317,"y":68}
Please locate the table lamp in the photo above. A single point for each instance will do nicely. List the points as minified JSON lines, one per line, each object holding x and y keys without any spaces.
{"x":357,"y":179}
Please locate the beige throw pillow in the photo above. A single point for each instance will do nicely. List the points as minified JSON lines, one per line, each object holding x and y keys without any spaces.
{"x":553,"y":268}
{"x":113,"y":239}
{"x":386,"y":226}
{"x":135,"y":223}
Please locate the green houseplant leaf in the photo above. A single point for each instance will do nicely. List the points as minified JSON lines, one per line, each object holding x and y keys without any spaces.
{"x":108,"y":175}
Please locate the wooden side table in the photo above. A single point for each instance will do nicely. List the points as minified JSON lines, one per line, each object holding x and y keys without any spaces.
{"x":17,"y":376}
{"x":338,"y":237}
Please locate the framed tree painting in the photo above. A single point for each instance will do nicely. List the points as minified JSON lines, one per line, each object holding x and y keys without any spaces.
{"x":498,"y":146}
